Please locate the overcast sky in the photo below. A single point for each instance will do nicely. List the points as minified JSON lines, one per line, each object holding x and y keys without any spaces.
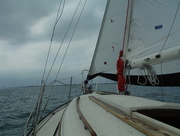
{"x":25,"y":32}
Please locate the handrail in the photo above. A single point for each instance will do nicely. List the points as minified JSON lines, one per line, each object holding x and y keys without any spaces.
{"x":87,"y":125}
{"x":60,"y":122}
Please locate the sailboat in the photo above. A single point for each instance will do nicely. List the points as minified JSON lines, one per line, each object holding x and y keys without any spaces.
{"x":144,"y":36}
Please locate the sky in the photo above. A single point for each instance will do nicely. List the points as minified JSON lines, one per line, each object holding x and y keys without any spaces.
{"x":26,"y":28}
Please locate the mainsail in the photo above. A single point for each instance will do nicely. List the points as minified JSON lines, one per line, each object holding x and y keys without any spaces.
{"x":152,"y":38}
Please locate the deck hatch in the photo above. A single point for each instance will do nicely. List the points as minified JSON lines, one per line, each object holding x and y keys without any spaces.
{"x":168,"y":116}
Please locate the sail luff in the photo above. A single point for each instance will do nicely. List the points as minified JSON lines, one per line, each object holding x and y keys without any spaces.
{"x":98,"y":41}
{"x":127,"y":26}
{"x":126,"y":34}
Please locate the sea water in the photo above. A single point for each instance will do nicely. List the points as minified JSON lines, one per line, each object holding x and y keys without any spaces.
{"x":17,"y":103}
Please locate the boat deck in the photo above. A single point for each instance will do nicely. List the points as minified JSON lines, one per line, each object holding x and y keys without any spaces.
{"x":105,"y":115}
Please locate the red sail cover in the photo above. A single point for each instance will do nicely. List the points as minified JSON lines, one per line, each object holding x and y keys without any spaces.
{"x":120,"y":69}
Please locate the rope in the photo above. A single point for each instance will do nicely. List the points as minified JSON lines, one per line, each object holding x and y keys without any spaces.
{"x":66,"y":49}
{"x":36,"y":112}
{"x":162,"y":90}
{"x":150,"y":72}
{"x":170,"y":28}
{"x":54,"y":27}
{"x":37,"y":106}
{"x":71,"y":35}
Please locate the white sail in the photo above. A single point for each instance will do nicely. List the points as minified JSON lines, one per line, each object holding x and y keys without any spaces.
{"x":110,"y":39}
{"x":154,"y":36}
{"x":154,"y":27}
{"x":151,"y":37}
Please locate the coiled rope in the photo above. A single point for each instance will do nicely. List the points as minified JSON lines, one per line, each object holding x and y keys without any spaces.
{"x":149,"y":74}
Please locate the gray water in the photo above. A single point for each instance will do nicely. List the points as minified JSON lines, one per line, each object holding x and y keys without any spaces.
{"x":17,"y":103}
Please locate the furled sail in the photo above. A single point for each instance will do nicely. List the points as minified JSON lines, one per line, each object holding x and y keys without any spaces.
{"x":109,"y":41}
{"x":154,"y":39}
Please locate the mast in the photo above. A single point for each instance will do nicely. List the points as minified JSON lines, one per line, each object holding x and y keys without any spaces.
{"x":120,"y":64}
{"x":126,"y":33}
{"x":127,"y":27}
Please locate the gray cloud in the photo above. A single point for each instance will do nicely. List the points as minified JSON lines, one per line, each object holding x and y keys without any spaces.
{"x":17,"y":16}
{"x":25,"y":32}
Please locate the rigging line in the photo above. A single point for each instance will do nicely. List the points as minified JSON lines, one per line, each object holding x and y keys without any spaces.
{"x":62,"y":42}
{"x":70,"y":77}
{"x":170,"y":27}
{"x":60,"y":81}
{"x":30,"y":118}
{"x":42,"y":81}
{"x":65,"y":84}
{"x":59,"y":16}
{"x":71,"y":37}
{"x":161,"y":79}
{"x":54,"y":27}
{"x":66,"y":48}
{"x":129,"y":78}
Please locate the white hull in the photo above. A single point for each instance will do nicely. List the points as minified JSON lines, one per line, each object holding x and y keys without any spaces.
{"x":119,"y":118}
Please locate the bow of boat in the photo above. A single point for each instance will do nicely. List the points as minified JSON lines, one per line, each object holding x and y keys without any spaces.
{"x":97,"y":114}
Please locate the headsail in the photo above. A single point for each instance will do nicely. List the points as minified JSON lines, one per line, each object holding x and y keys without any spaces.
{"x":110,"y":40}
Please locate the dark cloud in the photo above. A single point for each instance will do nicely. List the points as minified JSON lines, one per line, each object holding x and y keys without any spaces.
{"x":25,"y":32}
{"x":18,"y":15}
{"x":89,"y":23}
